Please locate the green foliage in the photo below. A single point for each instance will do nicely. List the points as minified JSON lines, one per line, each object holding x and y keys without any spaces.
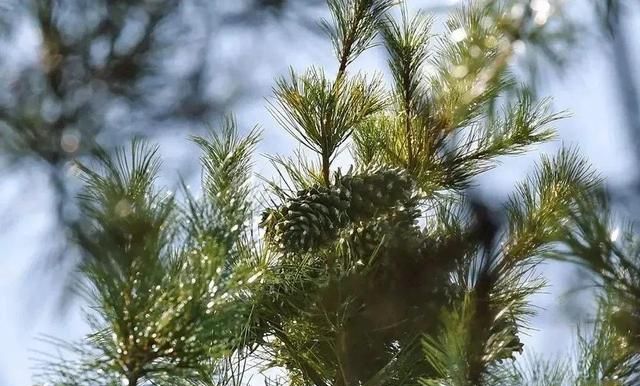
{"x":542,"y":203}
{"x":321,"y":114}
{"x":437,"y":127}
{"x":162,"y":307}
{"x":225,"y":209}
{"x":365,"y":296}
{"x":609,"y":250}
{"x":534,"y":371}
{"x":354,"y":26}
{"x":601,"y":357}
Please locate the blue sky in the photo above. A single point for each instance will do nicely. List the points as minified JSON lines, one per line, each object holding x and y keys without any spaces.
{"x":29,"y":293}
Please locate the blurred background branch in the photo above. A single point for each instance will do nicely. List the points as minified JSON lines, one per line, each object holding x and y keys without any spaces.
{"x":80,"y":73}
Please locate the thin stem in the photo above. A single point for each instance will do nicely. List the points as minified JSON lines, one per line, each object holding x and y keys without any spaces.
{"x":480,"y":331}
{"x":326,"y":165}
{"x":342,"y":357}
{"x":408,"y":115}
{"x":342,"y":69}
{"x":132,"y":378}
{"x":346,"y":52}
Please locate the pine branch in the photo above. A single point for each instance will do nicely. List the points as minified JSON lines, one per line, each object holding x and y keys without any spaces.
{"x":439,"y":115}
{"x":125,"y":217}
{"x":407,"y":43}
{"x":603,"y":353}
{"x":156,"y":300}
{"x":226,"y":208}
{"x":352,"y":32}
{"x":544,"y":201}
{"x":446,"y":353}
{"x":600,"y":243}
{"x":379,"y":140}
{"x":523,"y":125}
{"x":609,"y":250}
{"x":353,"y":28}
{"x":471,"y":66}
{"x":478,"y":333}
{"x":480,"y":330}
{"x":320,"y":114}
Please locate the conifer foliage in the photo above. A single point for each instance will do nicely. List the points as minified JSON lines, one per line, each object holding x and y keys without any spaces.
{"x":389,"y":273}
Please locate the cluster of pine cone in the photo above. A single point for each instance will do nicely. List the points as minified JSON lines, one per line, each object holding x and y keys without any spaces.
{"x":316,"y":215}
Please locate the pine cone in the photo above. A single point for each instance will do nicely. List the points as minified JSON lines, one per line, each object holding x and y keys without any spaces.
{"x":385,"y":234}
{"x":373,"y":191}
{"x":315,"y":216}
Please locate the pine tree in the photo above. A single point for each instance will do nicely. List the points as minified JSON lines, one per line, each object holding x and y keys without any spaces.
{"x":389,"y":273}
